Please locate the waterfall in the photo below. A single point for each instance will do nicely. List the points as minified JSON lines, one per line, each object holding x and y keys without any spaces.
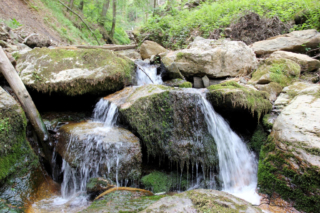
{"x":238,"y":166}
{"x":151,"y":70}
{"x":92,"y":153}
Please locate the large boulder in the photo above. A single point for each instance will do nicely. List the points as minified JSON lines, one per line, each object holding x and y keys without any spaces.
{"x":280,"y":70}
{"x":115,"y":151}
{"x":75,"y":72}
{"x":214,"y":58}
{"x":201,"y":200}
{"x":307,"y":63}
{"x":169,"y":123}
{"x":297,"y":41}
{"x":237,"y":103}
{"x":150,"y":48}
{"x":21,"y":177}
{"x":290,"y":160}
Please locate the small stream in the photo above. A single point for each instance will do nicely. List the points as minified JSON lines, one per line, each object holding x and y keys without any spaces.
{"x":237,"y":165}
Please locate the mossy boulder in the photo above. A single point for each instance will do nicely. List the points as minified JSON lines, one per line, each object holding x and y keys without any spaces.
{"x":122,"y":201}
{"x":115,"y":151}
{"x":178,"y":83}
{"x":290,"y":160}
{"x":75,"y":72}
{"x":214,"y":58}
{"x":98,"y":185}
{"x":237,"y":103}
{"x":274,"y":89}
{"x":202,"y":200}
{"x":20,"y":172}
{"x":169,"y":123}
{"x":282,"y":71}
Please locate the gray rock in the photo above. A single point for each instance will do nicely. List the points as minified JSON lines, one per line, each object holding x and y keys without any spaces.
{"x":150,"y":48}
{"x":296,"y":41}
{"x":206,"y":81}
{"x":274,"y":89}
{"x":197,"y":82}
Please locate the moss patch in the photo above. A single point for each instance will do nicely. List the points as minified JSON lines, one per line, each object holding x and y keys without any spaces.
{"x":103,"y":71}
{"x":235,"y":95}
{"x":258,"y":138}
{"x":291,"y":177}
{"x":266,"y":123}
{"x":162,"y":182}
{"x":281,"y":71}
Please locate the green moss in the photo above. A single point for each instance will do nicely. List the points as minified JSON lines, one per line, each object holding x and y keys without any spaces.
{"x":266,"y":123}
{"x":256,"y":102}
{"x":258,"y":138}
{"x":277,"y":174}
{"x":117,"y":70}
{"x":281,"y":71}
{"x":185,"y":85}
{"x":162,"y":182}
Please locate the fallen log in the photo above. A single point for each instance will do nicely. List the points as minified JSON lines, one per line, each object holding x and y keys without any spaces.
{"x":123,"y":189}
{"x":21,"y":92}
{"x":106,"y":47}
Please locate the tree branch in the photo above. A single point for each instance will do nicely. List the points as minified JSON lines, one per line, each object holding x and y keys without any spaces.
{"x":144,"y":72}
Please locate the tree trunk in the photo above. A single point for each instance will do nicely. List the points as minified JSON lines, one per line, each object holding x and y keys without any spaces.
{"x":81,"y":5}
{"x":114,"y":18}
{"x":104,"y":11}
{"x":154,"y":6}
{"x":21,"y":92}
{"x":70,"y":4}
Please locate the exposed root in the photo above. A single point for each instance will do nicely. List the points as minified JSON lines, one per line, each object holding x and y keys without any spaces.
{"x":123,"y":189}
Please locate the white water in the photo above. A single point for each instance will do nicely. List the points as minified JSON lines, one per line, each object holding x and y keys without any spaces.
{"x":238,"y":166}
{"x":151,"y":70}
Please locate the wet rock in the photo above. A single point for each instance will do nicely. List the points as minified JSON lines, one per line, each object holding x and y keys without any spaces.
{"x":169,"y":123}
{"x":214,"y":58}
{"x":113,"y":152}
{"x":197,"y":82}
{"x":274,"y":89}
{"x":297,"y":41}
{"x":291,"y":156}
{"x":172,"y":70}
{"x":307,"y":63}
{"x":20,"y":174}
{"x":178,"y":83}
{"x":98,"y":185}
{"x":150,"y":48}
{"x":75,"y":72}
{"x":202,"y":200}
{"x":282,"y":71}
{"x":122,"y":201}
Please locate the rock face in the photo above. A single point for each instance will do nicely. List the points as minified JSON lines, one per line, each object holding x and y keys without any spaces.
{"x":20,"y":172}
{"x":282,"y":71}
{"x":307,"y":63}
{"x":296,"y":41}
{"x":290,"y":160}
{"x":237,"y":103}
{"x":115,"y":152}
{"x":169,"y":122}
{"x":201,"y":200}
{"x":75,"y":72}
{"x":150,"y":48}
{"x":214,"y":58}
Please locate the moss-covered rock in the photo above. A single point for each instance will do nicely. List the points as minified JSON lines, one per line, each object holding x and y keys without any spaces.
{"x":178,"y":83}
{"x":232,"y":96}
{"x":258,"y":138}
{"x":282,"y":71}
{"x":169,"y":123}
{"x":20,"y":172}
{"x":273,"y":88}
{"x":122,"y":201}
{"x":98,"y":185}
{"x":202,"y":200}
{"x":75,"y":72}
{"x":163,"y":182}
{"x":115,"y":151}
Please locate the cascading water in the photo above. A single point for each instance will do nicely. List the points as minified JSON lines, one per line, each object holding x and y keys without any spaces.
{"x":145,"y":71}
{"x":238,"y":166}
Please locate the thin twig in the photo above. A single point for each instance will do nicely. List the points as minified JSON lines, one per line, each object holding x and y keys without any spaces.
{"x":81,"y":20}
{"x":145,"y":73}
{"x":313,"y":50}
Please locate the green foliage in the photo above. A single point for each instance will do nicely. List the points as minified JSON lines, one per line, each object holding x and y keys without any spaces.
{"x":186,"y":85}
{"x":162,"y":182}
{"x":266,"y":123}
{"x":12,"y":23}
{"x":173,"y":29}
